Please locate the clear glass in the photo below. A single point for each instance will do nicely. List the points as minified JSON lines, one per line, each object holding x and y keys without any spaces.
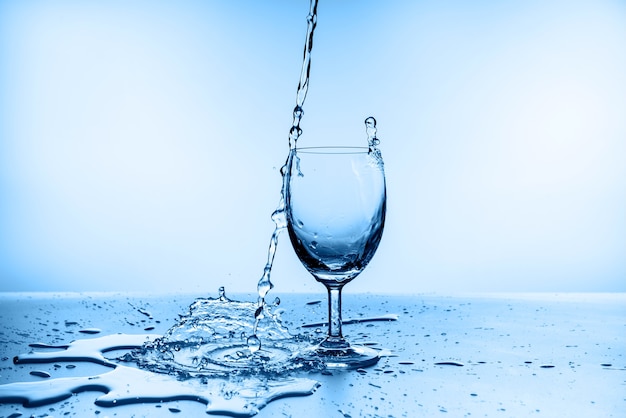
{"x":336,"y":201}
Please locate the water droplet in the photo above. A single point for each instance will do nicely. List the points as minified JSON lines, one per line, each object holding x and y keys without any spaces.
{"x":40,"y":373}
{"x":276,"y":301}
{"x":313,"y":245}
{"x":449,"y":363}
{"x":370,"y":128}
{"x":254,"y":343}
{"x":90,"y":331}
{"x":298,"y":112}
{"x":144,"y":312}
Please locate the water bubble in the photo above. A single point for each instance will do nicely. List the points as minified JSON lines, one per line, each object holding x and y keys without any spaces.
{"x":313,"y":245}
{"x":276,"y":301}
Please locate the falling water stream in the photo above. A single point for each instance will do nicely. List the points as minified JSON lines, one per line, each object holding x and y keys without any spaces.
{"x":279,"y":216}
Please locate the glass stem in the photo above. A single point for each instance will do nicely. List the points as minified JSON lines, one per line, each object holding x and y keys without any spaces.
{"x":335,"y":338}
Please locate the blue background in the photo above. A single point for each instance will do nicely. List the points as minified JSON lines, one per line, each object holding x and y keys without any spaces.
{"x":140,"y":142}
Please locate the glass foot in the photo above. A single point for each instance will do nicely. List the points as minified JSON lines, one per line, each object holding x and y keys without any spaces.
{"x":350,"y":357}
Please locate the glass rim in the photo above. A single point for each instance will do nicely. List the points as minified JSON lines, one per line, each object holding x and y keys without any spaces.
{"x":333,"y":149}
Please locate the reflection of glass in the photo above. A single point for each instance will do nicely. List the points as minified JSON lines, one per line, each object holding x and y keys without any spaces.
{"x":336,"y":200}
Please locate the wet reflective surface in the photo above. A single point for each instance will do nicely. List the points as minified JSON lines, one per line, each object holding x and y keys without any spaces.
{"x":545,"y":355}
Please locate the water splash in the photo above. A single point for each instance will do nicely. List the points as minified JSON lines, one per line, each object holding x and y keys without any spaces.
{"x":371,"y":130}
{"x":220,"y":337}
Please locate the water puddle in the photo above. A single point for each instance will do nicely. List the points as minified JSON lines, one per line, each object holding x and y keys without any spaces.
{"x":124,"y":385}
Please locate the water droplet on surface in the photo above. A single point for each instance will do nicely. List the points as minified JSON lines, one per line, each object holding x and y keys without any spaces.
{"x":449,"y":363}
{"x":40,"y":373}
{"x":90,"y":331}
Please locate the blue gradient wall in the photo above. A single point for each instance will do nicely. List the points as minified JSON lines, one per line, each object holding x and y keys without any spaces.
{"x":140,"y":143}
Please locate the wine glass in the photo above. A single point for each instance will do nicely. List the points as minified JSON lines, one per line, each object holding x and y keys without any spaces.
{"x":335,"y":201}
